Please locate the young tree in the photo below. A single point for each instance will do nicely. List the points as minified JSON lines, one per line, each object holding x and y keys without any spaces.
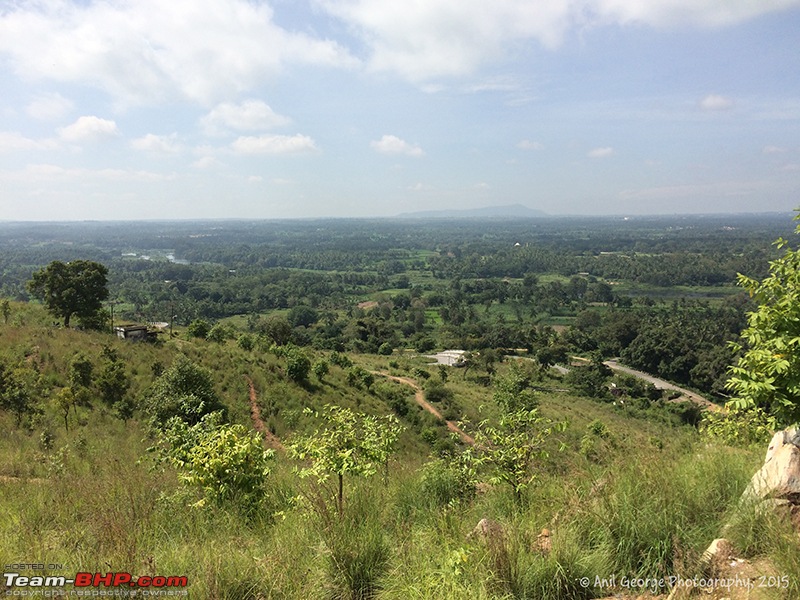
{"x":17,"y":391}
{"x":297,"y":365}
{"x":80,"y":372}
{"x":767,"y":375}
{"x":350,"y":444}
{"x":74,"y":288}
{"x":5,"y":308}
{"x":512,"y":448}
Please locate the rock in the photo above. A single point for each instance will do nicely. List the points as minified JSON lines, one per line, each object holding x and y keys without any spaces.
{"x":719,"y":552}
{"x":486,"y":530}
{"x":544,"y":543}
{"x":782,"y":438}
{"x":780,"y":476}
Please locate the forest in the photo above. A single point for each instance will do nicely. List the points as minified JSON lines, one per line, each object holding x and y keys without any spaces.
{"x":658,"y":292}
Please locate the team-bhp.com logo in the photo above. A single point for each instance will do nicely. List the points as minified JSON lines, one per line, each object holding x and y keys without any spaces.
{"x":89,"y":580}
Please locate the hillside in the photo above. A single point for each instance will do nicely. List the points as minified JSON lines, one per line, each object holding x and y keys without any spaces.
{"x":633,"y":491}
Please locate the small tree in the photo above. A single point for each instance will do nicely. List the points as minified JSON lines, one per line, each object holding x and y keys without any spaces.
{"x":350,"y":444}
{"x":80,"y":372}
{"x":198,"y":328}
{"x":17,"y":391}
{"x":5,"y":308}
{"x":74,"y":288}
{"x":320,"y":369}
{"x":513,"y":447}
{"x":114,"y":383}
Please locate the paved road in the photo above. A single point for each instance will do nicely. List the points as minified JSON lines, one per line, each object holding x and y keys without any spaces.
{"x":661,"y":384}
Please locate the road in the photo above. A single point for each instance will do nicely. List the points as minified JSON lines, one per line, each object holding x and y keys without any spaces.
{"x":661,"y":384}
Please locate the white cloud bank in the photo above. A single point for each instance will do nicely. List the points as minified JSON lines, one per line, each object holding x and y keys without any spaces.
{"x":207,"y":51}
{"x":429,"y":39}
{"x":150,"y":51}
{"x":604,"y":152}
{"x":716,"y":102}
{"x":158,"y":144}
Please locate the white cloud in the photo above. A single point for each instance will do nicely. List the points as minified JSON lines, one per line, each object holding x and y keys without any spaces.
{"x":89,"y":129}
{"x":391,"y":144}
{"x":429,"y":39}
{"x":716,"y":102}
{"x":604,"y":152}
{"x":205,"y":162}
{"x":668,"y":13}
{"x":530,"y":145}
{"x":11,"y":141}
{"x":159,"y":144}
{"x":149,"y":51}
{"x":250,"y":115}
{"x":274,"y":144}
{"x":773,"y":150}
{"x":49,"y":107}
{"x":50,"y":172}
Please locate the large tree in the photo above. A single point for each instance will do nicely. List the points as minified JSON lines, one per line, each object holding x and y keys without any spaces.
{"x":74,"y":288}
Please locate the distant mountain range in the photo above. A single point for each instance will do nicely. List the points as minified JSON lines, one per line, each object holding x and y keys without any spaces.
{"x":516,"y":211}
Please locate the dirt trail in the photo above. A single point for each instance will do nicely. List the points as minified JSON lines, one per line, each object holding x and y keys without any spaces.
{"x":419,"y":396}
{"x":270,"y":439}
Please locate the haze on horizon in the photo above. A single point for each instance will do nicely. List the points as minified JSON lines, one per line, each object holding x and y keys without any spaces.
{"x":370,"y":108}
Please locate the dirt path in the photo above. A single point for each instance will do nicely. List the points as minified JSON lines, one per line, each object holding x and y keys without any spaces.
{"x":419,"y":396}
{"x":270,"y":439}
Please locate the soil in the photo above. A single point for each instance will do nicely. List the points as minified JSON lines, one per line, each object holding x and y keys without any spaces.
{"x":270,"y":439}
{"x":419,"y":396}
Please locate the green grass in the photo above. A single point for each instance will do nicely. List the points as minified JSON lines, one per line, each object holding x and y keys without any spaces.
{"x":645,"y":501}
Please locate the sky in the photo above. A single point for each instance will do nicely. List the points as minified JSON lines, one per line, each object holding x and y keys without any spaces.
{"x":146,"y":109}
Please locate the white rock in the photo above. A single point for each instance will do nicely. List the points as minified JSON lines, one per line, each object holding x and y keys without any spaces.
{"x":780,"y":475}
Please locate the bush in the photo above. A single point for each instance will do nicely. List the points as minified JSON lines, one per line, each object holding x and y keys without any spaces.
{"x":185,"y":390}
{"x":444,"y":481}
{"x":436,"y":391}
{"x":297,"y":365}
{"x":198,"y":328}
{"x":227,"y":463}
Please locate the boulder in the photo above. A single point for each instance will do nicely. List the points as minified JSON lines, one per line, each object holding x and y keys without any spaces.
{"x":779,"y":477}
{"x":782,"y":438}
{"x":487,"y":530}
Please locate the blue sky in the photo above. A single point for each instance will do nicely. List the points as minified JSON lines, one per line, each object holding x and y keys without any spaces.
{"x":360,"y":108}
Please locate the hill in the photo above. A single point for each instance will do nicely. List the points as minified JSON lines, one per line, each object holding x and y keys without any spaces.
{"x":632,"y":492}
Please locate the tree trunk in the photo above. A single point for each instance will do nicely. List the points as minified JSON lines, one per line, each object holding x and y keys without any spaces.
{"x":340,"y":498}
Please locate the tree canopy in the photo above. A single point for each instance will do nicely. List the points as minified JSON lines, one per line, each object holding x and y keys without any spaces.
{"x":767,"y":375}
{"x":74,"y":288}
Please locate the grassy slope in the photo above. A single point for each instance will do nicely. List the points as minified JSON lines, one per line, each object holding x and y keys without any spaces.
{"x":643,"y":499}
